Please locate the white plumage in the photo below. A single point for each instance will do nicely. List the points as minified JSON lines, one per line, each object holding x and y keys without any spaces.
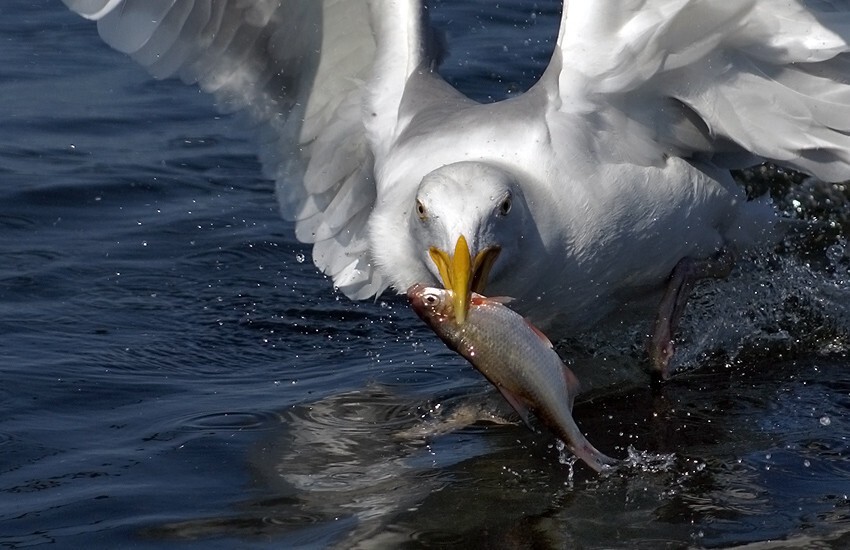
{"x":614,"y":165}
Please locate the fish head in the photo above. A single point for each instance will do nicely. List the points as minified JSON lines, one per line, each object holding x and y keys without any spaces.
{"x":433,"y":305}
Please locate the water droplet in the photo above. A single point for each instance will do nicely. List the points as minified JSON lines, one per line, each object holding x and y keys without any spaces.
{"x":834,"y":254}
{"x":299,"y":258}
{"x":807,"y":463}
{"x":825,"y":420}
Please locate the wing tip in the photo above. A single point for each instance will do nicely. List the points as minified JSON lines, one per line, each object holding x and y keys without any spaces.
{"x":92,"y":9}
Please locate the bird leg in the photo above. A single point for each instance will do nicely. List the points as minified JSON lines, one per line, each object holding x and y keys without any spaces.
{"x":685,"y":275}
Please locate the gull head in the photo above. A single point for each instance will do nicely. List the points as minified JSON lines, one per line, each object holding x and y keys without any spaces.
{"x":466,"y":224}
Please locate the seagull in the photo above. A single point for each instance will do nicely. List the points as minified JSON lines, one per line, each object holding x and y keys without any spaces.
{"x":608,"y":181}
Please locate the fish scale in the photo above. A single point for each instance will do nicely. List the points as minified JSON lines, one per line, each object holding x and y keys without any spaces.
{"x":515,"y":357}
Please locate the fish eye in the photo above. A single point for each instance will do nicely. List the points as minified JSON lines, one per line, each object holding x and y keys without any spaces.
{"x":421,"y":211}
{"x":505,"y":206}
{"x":431,"y":299}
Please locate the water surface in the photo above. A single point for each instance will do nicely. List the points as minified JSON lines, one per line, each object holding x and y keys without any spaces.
{"x":175,"y":372}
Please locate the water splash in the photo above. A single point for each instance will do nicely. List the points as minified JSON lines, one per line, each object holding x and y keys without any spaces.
{"x":649,"y":462}
{"x":569,"y":460}
{"x":789,"y":302}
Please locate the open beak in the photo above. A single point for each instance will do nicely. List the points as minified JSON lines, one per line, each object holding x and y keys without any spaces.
{"x":462,"y":274}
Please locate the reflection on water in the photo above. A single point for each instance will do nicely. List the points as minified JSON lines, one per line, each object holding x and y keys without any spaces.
{"x":350,"y":464}
{"x":756,"y":452}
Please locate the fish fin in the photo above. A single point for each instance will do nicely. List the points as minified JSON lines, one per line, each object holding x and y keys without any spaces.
{"x":539,"y":333}
{"x":573,"y":385}
{"x":518,"y":405}
{"x":478,"y":299}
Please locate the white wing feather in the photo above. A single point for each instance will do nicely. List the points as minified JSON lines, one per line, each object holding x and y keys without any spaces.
{"x":298,"y":67}
{"x":736,"y":81}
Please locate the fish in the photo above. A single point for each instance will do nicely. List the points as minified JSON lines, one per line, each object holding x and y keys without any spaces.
{"x":514,"y":356}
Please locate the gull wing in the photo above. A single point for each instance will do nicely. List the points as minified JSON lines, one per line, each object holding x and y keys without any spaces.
{"x":298,"y":68}
{"x":733,"y":82}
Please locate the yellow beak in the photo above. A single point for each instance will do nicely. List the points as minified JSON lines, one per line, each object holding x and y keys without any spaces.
{"x":461,"y":274}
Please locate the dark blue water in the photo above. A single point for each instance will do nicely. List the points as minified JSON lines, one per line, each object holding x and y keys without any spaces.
{"x":173,"y":370}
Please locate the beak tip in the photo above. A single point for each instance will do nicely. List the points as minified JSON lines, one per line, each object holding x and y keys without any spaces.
{"x":461,"y":305}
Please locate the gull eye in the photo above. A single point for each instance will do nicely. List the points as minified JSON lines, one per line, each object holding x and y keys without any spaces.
{"x":420,"y":210}
{"x":505,"y":207}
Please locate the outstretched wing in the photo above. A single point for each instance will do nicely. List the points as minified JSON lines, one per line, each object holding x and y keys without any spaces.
{"x":738,"y":82}
{"x":297,"y":68}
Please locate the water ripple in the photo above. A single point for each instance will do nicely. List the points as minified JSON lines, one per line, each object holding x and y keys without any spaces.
{"x":231,"y":421}
{"x":12,"y":221}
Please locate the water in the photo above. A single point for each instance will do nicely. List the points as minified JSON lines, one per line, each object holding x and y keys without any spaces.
{"x":174,"y":373}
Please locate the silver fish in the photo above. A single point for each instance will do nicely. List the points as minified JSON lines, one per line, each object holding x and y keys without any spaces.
{"x":515,"y":357}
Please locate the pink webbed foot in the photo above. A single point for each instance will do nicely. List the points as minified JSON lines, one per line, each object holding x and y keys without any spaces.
{"x":685,"y":275}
